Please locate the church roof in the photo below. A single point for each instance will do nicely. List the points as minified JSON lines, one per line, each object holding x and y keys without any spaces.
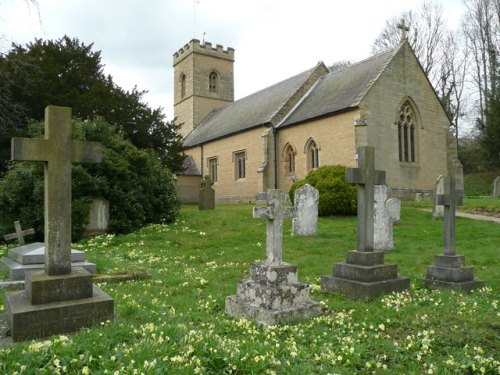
{"x":333,"y":92}
{"x":254,"y":110}
{"x":339,"y":90}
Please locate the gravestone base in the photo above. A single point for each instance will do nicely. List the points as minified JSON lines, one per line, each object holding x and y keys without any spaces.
{"x":364,"y":276}
{"x":272,"y":295}
{"x":56,"y":304}
{"x":31,"y":257}
{"x":450,"y":272}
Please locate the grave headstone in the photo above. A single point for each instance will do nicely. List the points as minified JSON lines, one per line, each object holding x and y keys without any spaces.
{"x":387,"y":212}
{"x":58,"y":299}
{"x":437,"y":209}
{"x":449,"y":270}
{"x":496,"y":187}
{"x":206,"y":199}
{"x":98,"y":217}
{"x":19,"y":234}
{"x":272,"y":294}
{"x":364,"y":274}
{"x":305,"y":220}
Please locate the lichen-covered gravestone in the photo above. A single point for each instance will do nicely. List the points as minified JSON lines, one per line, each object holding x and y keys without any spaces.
{"x":59,"y":299}
{"x":305,"y":220}
{"x":437,"y":209}
{"x":496,"y":187}
{"x":206,"y":199}
{"x":387,"y":212}
{"x":449,"y":269}
{"x":273,"y":293}
{"x":364,"y":274}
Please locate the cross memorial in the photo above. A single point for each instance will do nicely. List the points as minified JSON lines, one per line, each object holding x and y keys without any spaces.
{"x":448,"y":200}
{"x":366,"y":177}
{"x":404,"y":29}
{"x":19,"y":234}
{"x":274,"y":212}
{"x":58,"y":151}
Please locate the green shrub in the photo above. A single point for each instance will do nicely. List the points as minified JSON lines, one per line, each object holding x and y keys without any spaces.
{"x":138,"y":188}
{"x":336,"y":197}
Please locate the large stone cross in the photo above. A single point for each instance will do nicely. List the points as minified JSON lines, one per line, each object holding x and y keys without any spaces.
{"x":274,"y":212}
{"x":366,"y":177}
{"x":403,"y":28}
{"x":58,"y":151}
{"x":19,"y":233}
{"x":448,"y":200}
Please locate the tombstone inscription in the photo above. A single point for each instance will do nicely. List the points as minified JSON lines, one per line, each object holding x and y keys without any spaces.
{"x":272,"y":294}
{"x":449,"y":269}
{"x":364,"y":274}
{"x":32,"y":313}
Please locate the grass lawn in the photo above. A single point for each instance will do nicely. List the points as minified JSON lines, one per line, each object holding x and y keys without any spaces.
{"x":174,"y":322}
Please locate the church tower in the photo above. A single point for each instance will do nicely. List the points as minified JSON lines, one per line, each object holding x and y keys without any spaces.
{"x":203,"y":82}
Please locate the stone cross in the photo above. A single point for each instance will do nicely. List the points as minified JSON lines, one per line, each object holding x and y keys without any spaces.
{"x":274,"y":212}
{"x":19,"y":234}
{"x":404,"y":29}
{"x":448,"y":200}
{"x":57,"y":151}
{"x":366,"y":177}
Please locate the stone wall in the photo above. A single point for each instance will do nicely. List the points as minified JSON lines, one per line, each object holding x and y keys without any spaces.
{"x":404,"y":79}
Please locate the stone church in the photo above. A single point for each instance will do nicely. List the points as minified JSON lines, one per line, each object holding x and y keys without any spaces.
{"x":275,"y":136}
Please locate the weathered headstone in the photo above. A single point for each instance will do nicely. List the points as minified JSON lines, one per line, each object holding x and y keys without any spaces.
{"x":364,"y":274}
{"x":59,"y":299}
{"x":496,"y":187}
{"x":305,"y":220}
{"x":449,"y":269}
{"x":387,"y":212}
{"x":19,"y":234}
{"x":98,"y":217}
{"x":437,"y":209}
{"x":206,"y":199}
{"x":272,"y":294}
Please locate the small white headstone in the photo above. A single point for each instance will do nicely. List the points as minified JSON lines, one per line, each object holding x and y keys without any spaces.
{"x":438,"y":209}
{"x":386,"y":213}
{"x":496,"y":187}
{"x":305,"y":220}
{"x":98,"y":216}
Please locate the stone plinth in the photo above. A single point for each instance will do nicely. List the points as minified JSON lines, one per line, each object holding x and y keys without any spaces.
{"x":364,"y":276}
{"x":28,"y":321}
{"x":271,"y":295}
{"x":450,"y":272}
{"x":31,"y":257}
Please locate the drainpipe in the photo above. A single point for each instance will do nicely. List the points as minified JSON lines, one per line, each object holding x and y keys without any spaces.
{"x":275,"y":134}
{"x":201,"y":161}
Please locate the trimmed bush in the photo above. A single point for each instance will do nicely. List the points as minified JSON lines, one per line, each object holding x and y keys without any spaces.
{"x":336,"y":197}
{"x":139,"y":190}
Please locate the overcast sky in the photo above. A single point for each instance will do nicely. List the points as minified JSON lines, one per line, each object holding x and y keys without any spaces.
{"x":273,"y":39}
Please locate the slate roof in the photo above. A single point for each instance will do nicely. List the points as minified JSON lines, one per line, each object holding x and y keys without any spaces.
{"x":339,"y":90}
{"x":333,"y":92}
{"x":190,"y":168}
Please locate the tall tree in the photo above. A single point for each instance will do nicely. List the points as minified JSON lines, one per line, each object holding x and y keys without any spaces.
{"x":69,"y":73}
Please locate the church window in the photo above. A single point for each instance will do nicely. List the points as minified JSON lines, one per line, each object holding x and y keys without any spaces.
{"x":239,"y":165}
{"x":312,"y":153}
{"x":183,"y":85}
{"x":212,"y":168}
{"x":212,"y":82}
{"x":289,"y":159}
{"x":407,"y":136}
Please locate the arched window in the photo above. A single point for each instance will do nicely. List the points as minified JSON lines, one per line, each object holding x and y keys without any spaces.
{"x":312,"y":154}
{"x":289,"y":159}
{"x":407,"y":134}
{"x":183,"y":85}
{"x":212,"y":82}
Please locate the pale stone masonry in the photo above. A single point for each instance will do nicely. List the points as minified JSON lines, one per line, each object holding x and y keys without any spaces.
{"x":273,"y":293}
{"x":60,"y":298}
{"x":332,"y":112}
{"x":364,"y":275}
